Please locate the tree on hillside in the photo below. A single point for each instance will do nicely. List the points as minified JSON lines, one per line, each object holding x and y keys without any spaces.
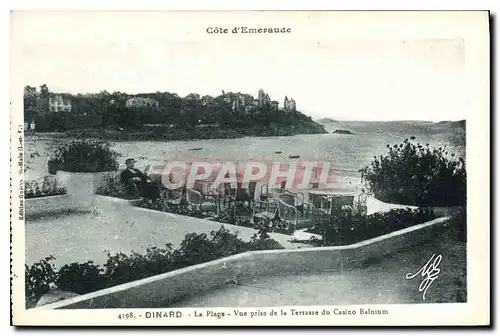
{"x":30,"y":101}
{"x":44,"y":99}
{"x":106,"y":110}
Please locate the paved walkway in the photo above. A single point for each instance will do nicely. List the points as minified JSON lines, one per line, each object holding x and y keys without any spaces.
{"x":380,"y":283}
{"x":373,"y":205}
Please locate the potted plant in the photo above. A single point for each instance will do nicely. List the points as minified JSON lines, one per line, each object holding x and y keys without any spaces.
{"x":83,"y":164}
{"x":417,"y":175}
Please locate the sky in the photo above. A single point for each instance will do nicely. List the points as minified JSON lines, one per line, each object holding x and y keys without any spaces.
{"x":362,"y":79}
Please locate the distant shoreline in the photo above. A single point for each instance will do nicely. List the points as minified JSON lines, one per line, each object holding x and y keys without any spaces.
{"x":181,"y":134}
{"x":408,"y":121}
{"x":214,"y":132}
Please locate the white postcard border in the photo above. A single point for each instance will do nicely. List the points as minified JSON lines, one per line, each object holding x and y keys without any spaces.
{"x":472,"y":26}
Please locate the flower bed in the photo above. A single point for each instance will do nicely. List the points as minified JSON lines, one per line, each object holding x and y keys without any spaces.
{"x":262,"y":225}
{"x":346,"y":230}
{"x":82,"y":278}
{"x":112,"y":187}
{"x":33,"y":189}
{"x":231,"y":217}
{"x":182,"y":208}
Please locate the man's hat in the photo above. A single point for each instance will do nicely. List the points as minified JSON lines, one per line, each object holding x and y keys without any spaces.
{"x":129,"y":161}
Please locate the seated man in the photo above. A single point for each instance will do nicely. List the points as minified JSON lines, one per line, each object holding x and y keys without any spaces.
{"x":137,"y":183}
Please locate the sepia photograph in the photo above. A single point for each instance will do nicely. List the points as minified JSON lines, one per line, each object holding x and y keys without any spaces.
{"x":250,"y":168}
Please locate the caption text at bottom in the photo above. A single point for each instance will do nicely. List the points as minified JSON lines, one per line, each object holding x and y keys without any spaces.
{"x":218,"y":314}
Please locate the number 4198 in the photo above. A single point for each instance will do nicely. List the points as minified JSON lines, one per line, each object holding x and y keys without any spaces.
{"x":126,"y":316}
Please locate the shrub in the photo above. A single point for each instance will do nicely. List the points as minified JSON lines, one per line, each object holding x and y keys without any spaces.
{"x":344,"y":230}
{"x":121,"y":268}
{"x":39,"y":277}
{"x":112,"y":186}
{"x":183,"y":208}
{"x":259,"y":243}
{"x":33,"y":189}
{"x":230,"y":216}
{"x":262,"y":225}
{"x":276,"y":224}
{"x":53,"y":166}
{"x":85,"y":156}
{"x":198,"y":248}
{"x":413,"y":174}
{"x":80,"y":278}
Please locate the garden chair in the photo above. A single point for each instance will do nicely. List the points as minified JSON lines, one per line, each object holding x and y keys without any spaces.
{"x":298,"y":197}
{"x":246,"y":194}
{"x":237,"y":198}
{"x":200,"y":201}
{"x":265,"y":210}
{"x":280,"y":190}
{"x":204,"y":187}
{"x":299,"y":200}
{"x":326,"y":205}
{"x":264,"y":192}
{"x":228,"y":196}
{"x":174,"y":196}
{"x":293,"y":210}
{"x":344,"y":203}
{"x":252,"y":186}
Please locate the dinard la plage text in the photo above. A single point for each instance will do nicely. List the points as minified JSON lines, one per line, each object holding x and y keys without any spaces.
{"x":248,"y":30}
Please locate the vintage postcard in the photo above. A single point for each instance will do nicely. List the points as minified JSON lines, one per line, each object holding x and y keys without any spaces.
{"x":250,"y":168}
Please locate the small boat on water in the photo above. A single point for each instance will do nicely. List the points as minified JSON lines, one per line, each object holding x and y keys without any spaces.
{"x":278,"y":152}
{"x":294,"y":156}
{"x":195,"y":149}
